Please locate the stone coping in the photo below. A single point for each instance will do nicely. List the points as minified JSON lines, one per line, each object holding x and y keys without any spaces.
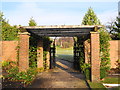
{"x":63,"y":26}
{"x":24,"y":33}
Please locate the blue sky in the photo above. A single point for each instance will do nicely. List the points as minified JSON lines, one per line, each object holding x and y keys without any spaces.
{"x":57,"y":13}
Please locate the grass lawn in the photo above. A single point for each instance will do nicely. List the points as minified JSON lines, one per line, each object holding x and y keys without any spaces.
{"x":65,"y":53}
{"x":97,"y":86}
{"x":107,"y":80}
{"x":112,"y":80}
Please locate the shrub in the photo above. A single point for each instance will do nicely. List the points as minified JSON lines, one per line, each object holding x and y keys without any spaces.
{"x":84,"y":66}
{"x":88,"y":73}
{"x":26,"y":77}
{"x":8,"y":32}
{"x":5,"y":64}
{"x":8,"y":64}
{"x":13,"y":73}
{"x":118,"y":64}
{"x":103,"y":73}
{"x":40,"y":69}
{"x":86,"y":70}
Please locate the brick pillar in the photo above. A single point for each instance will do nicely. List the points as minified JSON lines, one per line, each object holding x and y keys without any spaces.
{"x":87,"y":51}
{"x":40,"y":54}
{"x":95,"y":58}
{"x":118,"y":49}
{"x":54,"y":49}
{"x":23,"y":51}
{"x":48,"y":57}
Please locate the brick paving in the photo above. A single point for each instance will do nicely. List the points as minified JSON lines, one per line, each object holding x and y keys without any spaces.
{"x":63,"y":76}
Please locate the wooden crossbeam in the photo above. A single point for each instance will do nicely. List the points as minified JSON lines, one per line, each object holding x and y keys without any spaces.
{"x":61,"y":30}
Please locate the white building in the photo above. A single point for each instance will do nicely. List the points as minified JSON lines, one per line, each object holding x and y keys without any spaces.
{"x":119,"y":8}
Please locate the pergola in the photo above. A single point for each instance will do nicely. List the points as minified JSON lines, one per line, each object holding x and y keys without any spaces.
{"x":59,"y":31}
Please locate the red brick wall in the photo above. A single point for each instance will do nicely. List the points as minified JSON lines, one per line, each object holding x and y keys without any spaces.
{"x":114,"y":52}
{"x":9,"y":50}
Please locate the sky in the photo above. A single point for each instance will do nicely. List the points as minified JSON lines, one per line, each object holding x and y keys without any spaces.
{"x":59,"y":12}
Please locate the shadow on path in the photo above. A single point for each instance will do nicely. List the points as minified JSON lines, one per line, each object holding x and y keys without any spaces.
{"x":63,"y":76}
{"x":68,"y":67}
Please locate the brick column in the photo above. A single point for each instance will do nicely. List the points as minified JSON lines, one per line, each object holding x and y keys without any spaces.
{"x":48,"y":57}
{"x":54,"y":51}
{"x":40,"y":54}
{"x":118,"y":49}
{"x":95,"y":58}
{"x":87,"y":51}
{"x":23,"y":51}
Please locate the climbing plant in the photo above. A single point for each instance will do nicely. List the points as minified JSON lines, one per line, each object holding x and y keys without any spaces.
{"x":33,"y":52}
{"x":104,"y":52}
{"x":90,"y":18}
{"x":46,"y":47}
{"x":33,"y":47}
{"x":84,"y":67}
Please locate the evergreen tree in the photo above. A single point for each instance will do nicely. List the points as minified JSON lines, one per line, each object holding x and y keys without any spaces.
{"x":115,"y":31}
{"x":8,"y":32}
{"x":32,"y":22}
{"x":90,"y":18}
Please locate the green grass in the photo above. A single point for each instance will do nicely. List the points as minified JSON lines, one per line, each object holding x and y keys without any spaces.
{"x":111,"y":80}
{"x":65,"y":53}
{"x":108,"y":80}
{"x":96,"y":86}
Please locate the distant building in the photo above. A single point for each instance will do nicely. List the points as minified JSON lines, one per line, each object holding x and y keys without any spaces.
{"x":119,"y":9}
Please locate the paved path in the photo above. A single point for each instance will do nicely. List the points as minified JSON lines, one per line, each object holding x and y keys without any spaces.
{"x":63,"y":76}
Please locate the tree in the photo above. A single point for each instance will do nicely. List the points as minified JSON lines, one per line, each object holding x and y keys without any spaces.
{"x":115,"y":29}
{"x":90,"y":18}
{"x":32,"y":22}
{"x":8,"y":32}
{"x":65,"y":42}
